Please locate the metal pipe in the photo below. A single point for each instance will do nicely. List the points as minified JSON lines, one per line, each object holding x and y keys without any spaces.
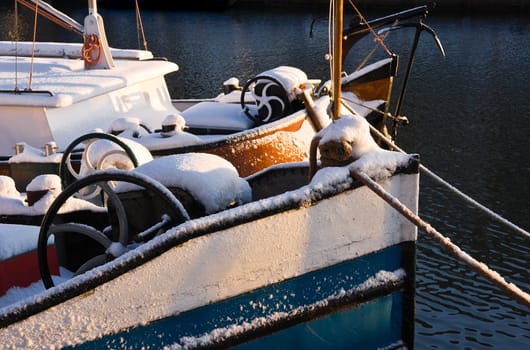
{"x":92,"y":7}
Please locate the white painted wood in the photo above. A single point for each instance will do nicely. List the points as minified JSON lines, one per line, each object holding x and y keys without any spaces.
{"x":227,"y":263}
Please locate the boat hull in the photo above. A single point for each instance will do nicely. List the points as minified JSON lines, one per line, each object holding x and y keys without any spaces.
{"x":329,"y":308}
{"x":250,"y":151}
{"x":210,"y":260}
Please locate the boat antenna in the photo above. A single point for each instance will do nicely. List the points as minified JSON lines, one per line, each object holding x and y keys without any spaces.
{"x":336,"y":56}
{"x":95,"y":51}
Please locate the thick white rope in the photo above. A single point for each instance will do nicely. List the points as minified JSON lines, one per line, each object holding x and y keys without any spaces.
{"x":455,"y":190}
{"x":510,"y":288}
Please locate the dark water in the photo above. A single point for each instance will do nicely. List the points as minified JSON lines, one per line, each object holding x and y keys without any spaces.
{"x":470,"y":122}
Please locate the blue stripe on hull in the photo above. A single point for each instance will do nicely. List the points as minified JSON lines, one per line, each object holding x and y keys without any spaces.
{"x":372,"y":325}
{"x":308,"y":311}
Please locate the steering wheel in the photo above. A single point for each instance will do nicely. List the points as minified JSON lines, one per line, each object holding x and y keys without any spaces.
{"x":172,"y":213}
{"x":271,"y":97}
{"x":67,"y":172}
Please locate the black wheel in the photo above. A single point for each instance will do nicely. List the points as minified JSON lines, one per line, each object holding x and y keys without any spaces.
{"x":271,"y":98}
{"x":113,"y":236}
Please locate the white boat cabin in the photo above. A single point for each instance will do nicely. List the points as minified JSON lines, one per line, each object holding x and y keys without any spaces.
{"x":52,"y":97}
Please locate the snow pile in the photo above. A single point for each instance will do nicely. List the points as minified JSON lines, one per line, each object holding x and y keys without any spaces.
{"x":8,"y":188}
{"x":173,"y":124}
{"x":49,"y":183}
{"x":210,"y":179}
{"x":13,"y":203}
{"x":320,"y":108}
{"x":129,"y":127}
{"x":17,"y":239}
{"x":348,"y":140}
{"x":291,"y":79}
{"x":217,"y":115}
{"x":32,"y":154}
{"x":353,"y":131}
{"x":45,"y":182}
{"x":30,"y":293}
{"x":381,"y":164}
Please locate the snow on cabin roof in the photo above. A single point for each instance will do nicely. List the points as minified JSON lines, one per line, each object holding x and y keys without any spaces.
{"x":64,"y":50}
{"x":67,"y":79}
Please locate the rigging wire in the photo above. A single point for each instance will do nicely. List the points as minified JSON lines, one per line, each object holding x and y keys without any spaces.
{"x":33,"y":45}
{"x":370,"y":54}
{"x":140,"y":26}
{"x":377,"y":37}
{"x":46,"y":13}
{"x":16,"y":38}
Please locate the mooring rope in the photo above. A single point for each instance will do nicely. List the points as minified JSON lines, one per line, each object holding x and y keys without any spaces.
{"x":441,"y":181}
{"x":510,"y":288}
{"x":455,"y":190}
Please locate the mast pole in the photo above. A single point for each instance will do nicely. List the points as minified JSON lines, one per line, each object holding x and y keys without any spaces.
{"x":92,"y":7}
{"x":338,"y":9}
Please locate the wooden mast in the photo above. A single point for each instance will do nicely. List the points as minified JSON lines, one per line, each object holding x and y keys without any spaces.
{"x":338,"y":9}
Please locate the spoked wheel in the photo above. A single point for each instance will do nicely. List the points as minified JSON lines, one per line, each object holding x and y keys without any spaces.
{"x":66,"y":170}
{"x":271,"y":97}
{"x":111,"y":230}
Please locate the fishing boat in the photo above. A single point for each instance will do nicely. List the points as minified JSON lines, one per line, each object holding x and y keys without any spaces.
{"x":45,"y":110}
{"x":234,"y":224}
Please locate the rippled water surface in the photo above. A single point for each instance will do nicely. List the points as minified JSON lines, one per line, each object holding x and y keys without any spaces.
{"x":470,"y":122}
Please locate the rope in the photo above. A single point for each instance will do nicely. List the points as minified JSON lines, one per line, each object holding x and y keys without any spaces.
{"x":470,"y":200}
{"x":371,"y":53}
{"x":510,"y":288}
{"x":455,"y":190}
{"x":33,"y":45}
{"x":140,"y":25}
{"x":16,"y":38}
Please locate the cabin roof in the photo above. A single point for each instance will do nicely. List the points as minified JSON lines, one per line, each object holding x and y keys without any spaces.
{"x":66,"y":78}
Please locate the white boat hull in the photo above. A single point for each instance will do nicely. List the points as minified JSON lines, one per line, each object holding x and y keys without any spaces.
{"x":217,"y":264}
